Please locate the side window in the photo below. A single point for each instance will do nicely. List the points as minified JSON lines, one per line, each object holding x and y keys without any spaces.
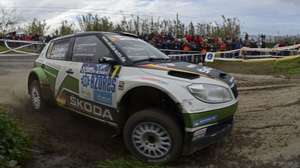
{"x":89,"y":49}
{"x":58,"y":50}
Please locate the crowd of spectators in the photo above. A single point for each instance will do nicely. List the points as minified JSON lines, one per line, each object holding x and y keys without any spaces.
{"x":168,"y":41}
{"x":27,"y":37}
{"x":201,"y":43}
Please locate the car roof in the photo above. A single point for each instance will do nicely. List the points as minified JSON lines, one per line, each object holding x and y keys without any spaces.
{"x":93,"y":33}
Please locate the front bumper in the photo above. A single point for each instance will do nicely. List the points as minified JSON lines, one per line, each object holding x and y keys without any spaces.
{"x":212,"y":134}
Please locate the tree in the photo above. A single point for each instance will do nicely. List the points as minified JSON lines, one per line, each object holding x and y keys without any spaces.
{"x":92,"y":22}
{"x":231,"y":27}
{"x":227,"y":28}
{"x":36,"y":27}
{"x":8,"y":19}
{"x":65,"y":28}
{"x":191,"y":29}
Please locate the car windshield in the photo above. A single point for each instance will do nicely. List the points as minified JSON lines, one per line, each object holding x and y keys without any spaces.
{"x":136,"y":49}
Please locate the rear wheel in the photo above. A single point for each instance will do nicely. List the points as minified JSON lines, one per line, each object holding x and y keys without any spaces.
{"x":153,"y":136}
{"x":37,"y":101}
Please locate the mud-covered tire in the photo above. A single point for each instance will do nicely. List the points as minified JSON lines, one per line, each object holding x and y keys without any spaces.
{"x":153,"y":136}
{"x":36,"y":98}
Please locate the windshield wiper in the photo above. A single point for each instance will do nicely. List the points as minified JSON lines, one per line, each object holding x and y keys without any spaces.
{"x":152,"y":59}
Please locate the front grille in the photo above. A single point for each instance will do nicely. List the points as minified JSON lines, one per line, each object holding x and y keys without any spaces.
{"x":235,"y":91}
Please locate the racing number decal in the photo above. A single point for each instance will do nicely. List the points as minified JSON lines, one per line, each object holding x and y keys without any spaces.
{"x":95,"y":96}
{"x":98,"y":82}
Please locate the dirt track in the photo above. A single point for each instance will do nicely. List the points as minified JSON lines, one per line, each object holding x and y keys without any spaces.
{"x":266,"y":133}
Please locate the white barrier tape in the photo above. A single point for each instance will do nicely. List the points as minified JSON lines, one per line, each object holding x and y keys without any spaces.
{"x":290,"y":48}
{"x":27,"y":44}
{"x":258,"y":56}
{"x":229,"y":59}
{"x":246,"y":49}
{"x":22,"y":41}
{"x":225,"y":52}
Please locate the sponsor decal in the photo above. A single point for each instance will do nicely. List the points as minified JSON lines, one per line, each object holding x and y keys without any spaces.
{"x":102,"y":69}
{"x":89,"y":108}
{"x":103,"y":97}
{"x":85,"y":93}
{"x":85,"y":80}
{"x":121,"y":85}
{"x":204,"y":121}
{"x":98,"y":82}
{"x":116,"y":51}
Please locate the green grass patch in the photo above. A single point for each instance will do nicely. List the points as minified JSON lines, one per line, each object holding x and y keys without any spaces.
{"x":13,"y":142}
{"x":2,"y":48}
{"x":289,"y":67}
{"x":126,"y":163}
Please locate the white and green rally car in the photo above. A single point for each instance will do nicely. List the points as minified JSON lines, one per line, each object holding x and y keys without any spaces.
{"x":163,"y":108}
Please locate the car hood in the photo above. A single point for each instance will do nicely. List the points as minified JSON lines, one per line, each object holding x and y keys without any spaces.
{"x":190,"y":71}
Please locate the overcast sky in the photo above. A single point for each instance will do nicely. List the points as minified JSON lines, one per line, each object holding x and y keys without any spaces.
{"x":271,"y":17}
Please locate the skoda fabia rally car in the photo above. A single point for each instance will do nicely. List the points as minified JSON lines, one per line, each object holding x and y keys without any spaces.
{"x":162,"y":108}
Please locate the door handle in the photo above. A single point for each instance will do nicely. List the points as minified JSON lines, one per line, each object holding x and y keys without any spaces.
{"x":69,"y":71}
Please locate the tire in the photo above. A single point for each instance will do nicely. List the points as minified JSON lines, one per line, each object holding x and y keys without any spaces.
{"x":154,"y":130}
{"x":36,"y":98}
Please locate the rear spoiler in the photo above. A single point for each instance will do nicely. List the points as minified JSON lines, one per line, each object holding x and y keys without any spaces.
{"x":128,"y":34}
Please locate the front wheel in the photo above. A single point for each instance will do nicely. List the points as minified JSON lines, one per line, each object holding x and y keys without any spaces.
{"x":153,"y":136}
{"x":37,"y":101}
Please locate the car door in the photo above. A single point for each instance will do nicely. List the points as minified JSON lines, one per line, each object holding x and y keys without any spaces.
{"x":55,"y":64}
{"x":97,"y":81}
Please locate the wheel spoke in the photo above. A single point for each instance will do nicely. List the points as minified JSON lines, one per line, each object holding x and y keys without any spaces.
{"x":151,"y":140}
{"x":35,"y":98}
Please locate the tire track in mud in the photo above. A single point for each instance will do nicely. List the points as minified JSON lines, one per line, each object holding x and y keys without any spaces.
{"x":65,"y":139}
{"x":275,"y":119}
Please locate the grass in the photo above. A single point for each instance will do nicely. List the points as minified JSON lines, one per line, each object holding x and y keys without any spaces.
{"x":125,"y":163}
{"x":289,"y":67}
{"x":2,"y":48}
{"x":13,"y":142}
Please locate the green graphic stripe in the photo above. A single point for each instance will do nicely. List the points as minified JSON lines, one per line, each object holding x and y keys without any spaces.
{"x":51,"y":74}
{"x":220,"y":113}
{"x":70,"y":83}
{"x":51,"y":70}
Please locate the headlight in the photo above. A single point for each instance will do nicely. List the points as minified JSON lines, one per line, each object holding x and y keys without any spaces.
{"x":210,"y":93}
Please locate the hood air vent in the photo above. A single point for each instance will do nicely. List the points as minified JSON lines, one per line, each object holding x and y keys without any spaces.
{"x":183,"y":75}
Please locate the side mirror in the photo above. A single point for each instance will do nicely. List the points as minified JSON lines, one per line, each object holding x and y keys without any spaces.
{"x":107,"y":60}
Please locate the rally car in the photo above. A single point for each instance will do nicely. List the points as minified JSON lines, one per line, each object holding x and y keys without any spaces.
{"x":163,"y":108}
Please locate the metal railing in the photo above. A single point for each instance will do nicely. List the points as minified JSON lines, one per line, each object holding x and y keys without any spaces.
{"x":187,"y":56}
